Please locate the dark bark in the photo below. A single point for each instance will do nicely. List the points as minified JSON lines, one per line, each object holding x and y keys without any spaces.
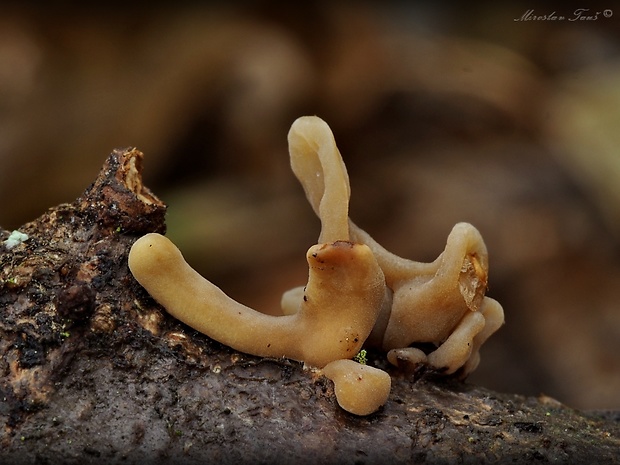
{"x":94,"y":371}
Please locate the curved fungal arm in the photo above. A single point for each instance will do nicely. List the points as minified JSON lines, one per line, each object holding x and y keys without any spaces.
{"x":319,"y":167}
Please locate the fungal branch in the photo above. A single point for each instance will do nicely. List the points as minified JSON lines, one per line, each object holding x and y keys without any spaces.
{"x":442,"y":303}
{"x":318,"y":165}
{"x":358,"y":294}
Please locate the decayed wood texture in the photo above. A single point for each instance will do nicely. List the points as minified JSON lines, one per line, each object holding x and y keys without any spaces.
{"x":93,"y":370}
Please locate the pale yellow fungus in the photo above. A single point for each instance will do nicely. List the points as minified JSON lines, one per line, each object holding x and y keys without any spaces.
{"x":439,"y":302}
{"x":357,"y":293}
{"x":316,"y":159}
{"x":360,"y":389}
{"x":335,"y":315}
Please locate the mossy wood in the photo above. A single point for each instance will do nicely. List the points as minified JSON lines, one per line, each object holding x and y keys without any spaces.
{"x":93,"y":371}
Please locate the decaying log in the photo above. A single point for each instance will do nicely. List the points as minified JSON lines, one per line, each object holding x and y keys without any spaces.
{"x":94,"y":371}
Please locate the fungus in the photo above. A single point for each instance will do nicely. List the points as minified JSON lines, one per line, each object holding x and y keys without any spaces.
{"x":316,"y":159}
{"x":360,"y":389}
{"x":334,"y":317}
{"x":358,"y":294}
{"x":442,"y":302}
{"x":318,"y":165}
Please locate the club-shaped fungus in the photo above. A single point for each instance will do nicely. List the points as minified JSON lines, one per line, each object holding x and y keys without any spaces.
{"x":357,"y":293}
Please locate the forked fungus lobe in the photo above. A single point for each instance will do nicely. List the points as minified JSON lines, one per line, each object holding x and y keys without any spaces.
{"x":442,"y":302}
{"x":334,"y":317}
{"x":357,"y":292}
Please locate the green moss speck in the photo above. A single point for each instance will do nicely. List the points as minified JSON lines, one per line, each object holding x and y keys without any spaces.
{"x":361,"y":357}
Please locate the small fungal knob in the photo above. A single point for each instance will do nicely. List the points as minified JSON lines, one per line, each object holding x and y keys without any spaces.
{"x":360,"y":389}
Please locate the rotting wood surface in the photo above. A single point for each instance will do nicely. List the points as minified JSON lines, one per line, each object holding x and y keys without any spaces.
{"x":94,"y":371}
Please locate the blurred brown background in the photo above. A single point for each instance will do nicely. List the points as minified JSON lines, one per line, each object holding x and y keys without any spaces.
{"x":441,"y":114}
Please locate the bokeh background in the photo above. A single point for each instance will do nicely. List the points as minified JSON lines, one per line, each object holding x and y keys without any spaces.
{"x":442,"y":114}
